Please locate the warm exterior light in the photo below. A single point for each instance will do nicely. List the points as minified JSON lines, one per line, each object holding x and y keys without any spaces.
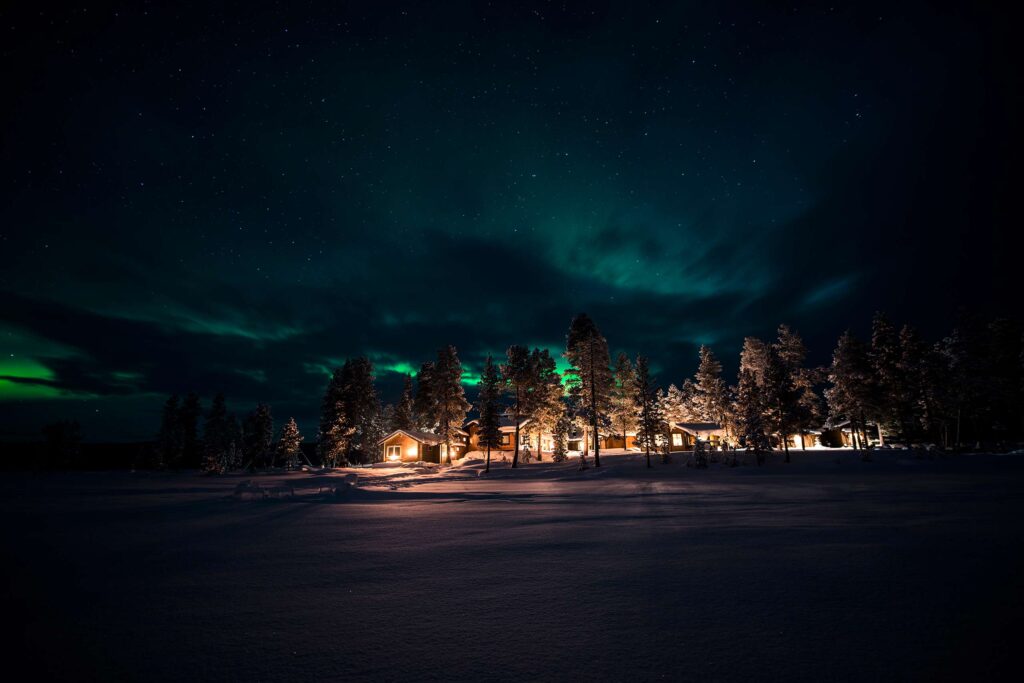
{"x":393,"y":457}
{"x":410,"y":451}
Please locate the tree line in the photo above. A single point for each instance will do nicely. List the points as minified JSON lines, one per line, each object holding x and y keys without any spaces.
{"x":967,"y":387}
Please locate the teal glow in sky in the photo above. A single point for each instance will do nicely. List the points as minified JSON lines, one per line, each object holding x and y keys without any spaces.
{"x":199,"y":201}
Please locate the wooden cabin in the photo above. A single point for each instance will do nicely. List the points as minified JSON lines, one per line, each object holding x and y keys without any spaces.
{"x":411,"y":446}
{"x":507,"y":427}
{"x":683,"y":435}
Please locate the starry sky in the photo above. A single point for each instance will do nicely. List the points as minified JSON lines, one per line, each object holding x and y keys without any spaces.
{"x":237,"y":197}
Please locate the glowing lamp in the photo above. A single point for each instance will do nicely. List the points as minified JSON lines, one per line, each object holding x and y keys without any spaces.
{"x":411,"y":451}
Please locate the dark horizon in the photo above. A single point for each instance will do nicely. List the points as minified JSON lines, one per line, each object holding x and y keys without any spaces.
{"x":199,"y":202}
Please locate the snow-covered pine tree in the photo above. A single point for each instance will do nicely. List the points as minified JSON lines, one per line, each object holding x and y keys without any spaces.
{"x":217,"y":436}
{"x":750,"y":412}
{"x":589,"y":376}
{"x":520,"y":377}
{"x":234,"y":450}
{"x":754,"y":357}
{"x":334,"y":431}
{"x":645,"y":400}
{"x":965,"y":351}
{"x":191,"y":446}
{"x":563,"y":425}
{"x":491,"y":386}
{"x":712,"y":393}
{"x":546,"y":398}
{"x":404,"y":416}
{"x":424,"y":410}
{"x":169,"y":441}
{"x":361,"y":409}
{"x":288,"y":444}
{"x":803,"y":406}
{"x":781,"y":397}
{"x":449,"y":397}
{"x":258,"y":436}
{"x":909,"y":394}
{"x":850,"y":393}
{"x":622,"y":405}
{"x":887,"y":381}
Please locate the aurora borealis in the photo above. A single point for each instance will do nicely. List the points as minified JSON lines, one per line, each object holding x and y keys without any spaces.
{"x":238,"y":197}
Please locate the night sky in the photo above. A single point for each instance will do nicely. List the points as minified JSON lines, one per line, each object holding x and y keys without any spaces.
{"x":238,"y":197}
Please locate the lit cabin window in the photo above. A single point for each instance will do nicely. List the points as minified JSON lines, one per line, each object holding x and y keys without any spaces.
{"x":394,"y":452}
{"x":677,"y":439}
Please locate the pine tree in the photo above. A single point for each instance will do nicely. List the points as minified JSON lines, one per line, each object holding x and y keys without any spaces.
{"x":491,"y":385}
{"x":850,"y":393}
{"x":754,"y":358}
{"x":965,"y":353}
{"x":561,"y":436}
{"x":622,"y":404}
{"x":545,"y":403}
{"x":288,"y":444}
{"x":449,"y":397}
{"x":170,"y":440}
{"x":404,"y":417}
{"x":589,"y":376}
{"x":806,"y":410}
{"x":350,"y":414}
{"x":334,"y":424}
{"x":712,"y":393}
{"x":216,"y":437}
{"x":258,"y":436}
{"x":234,"y":452}
{"x":424,"y":409}
{"x":646,"y":404}
{"x":188,"y":416}
{"x":520,"y":377}
{"x":750,"y":412}
{"x":362,"y":409}
{"x":886,"y":380}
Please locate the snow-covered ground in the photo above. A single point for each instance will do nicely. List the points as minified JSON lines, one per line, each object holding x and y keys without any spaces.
{"x":825,"y":569}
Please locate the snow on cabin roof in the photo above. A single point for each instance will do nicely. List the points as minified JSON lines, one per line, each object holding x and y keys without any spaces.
{"x":693,"y":427}
{"x":428,"y":438}
{"x":504,"y":422}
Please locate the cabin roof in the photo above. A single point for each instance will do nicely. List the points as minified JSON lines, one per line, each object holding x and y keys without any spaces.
{"x":428,"y":438}
{"x":698,"y":426}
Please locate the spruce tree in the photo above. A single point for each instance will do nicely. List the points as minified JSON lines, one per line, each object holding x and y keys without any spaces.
{"x":561,"y":436}
{"x":589,"y":376}
{"x":850,"y":393}
{"x":646,"y":404}
{"x":965,"y":353}
{"x":449,"y":401}
{"x":622,"y":405}
{"x":350,"y":415}
{"x":216,"y":436}
{"x":258,"y":437}
{"x":490,"y":385}
{"x":886,"y":379}
{"x":404,"y":417}
{"x":288,"y":444}
{"x":188,"y":415}
{"x":170,"y":440}
{"x":334,"y":431}
{"x":546,"y":396}
{"x":750,"y":412}
{"x":519,"y":377}
{"x":424,"y":409}
{"x":806,"y":411}
{"x":712,"y":393}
